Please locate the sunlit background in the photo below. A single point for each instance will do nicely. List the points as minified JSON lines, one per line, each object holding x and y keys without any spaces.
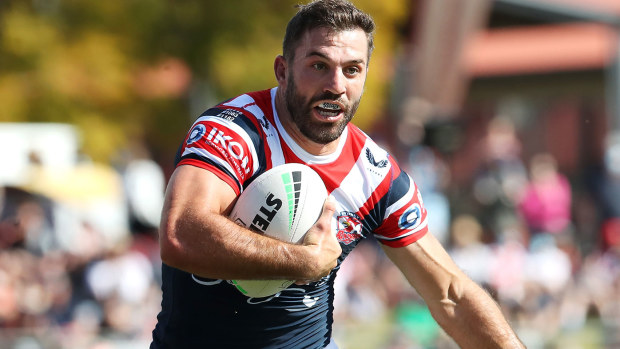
{"x":505,"y":112}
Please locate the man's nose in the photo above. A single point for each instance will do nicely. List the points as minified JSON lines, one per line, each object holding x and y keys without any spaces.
{"x":336,"y":82}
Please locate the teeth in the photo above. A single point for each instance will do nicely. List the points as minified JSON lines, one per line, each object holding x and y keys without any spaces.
{"x":328,"y":113}
{"x":330,"y":106}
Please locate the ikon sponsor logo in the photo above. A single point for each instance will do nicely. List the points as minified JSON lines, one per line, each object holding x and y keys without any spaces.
{"x":232,"y":148}
{"x":349,"y":227}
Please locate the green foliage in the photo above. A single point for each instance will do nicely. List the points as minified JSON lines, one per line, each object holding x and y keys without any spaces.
{"x":135,"y":70}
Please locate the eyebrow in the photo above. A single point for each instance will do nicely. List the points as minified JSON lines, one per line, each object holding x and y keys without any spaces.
{"x":322,"y":55}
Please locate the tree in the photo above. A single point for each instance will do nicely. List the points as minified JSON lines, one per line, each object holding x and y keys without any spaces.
{"x":139,"y":72}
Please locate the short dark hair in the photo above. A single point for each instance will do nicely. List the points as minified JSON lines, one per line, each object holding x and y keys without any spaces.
{"x":337,"y":15}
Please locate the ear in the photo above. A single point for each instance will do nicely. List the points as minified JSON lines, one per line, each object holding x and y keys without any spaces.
{"x":280,"y":69}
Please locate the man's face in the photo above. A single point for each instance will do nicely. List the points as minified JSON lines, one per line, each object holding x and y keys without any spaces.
{"x":325,"y":82}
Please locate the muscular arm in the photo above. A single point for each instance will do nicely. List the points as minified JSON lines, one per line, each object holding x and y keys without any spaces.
{"x":196,"y":236}
{"x":463,"y":309}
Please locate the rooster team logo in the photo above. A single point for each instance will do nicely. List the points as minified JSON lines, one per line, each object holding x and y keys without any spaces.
{"x":349,"y":227}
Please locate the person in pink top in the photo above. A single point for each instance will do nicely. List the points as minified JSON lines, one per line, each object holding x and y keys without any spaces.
{"x":545,"y":203}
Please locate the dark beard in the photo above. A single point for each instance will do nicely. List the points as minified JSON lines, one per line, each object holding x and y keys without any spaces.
{"x":301,"y":114}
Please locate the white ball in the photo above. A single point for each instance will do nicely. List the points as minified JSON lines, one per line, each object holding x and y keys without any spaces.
{"x":284,"y":202}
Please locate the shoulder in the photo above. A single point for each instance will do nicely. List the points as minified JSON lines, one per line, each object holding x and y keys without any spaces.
{"x":229,"y":138}
{"x":252,"y":106}
{"x":243,"y":116}
{"x":256,"y":104}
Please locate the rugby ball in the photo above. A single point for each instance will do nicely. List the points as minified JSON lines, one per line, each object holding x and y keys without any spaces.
{"x":284,"y":203}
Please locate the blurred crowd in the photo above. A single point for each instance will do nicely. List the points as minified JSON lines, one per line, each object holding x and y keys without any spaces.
{"x":549,"y":257}
{"x":75,"y":275}
{"x":82,"y":270}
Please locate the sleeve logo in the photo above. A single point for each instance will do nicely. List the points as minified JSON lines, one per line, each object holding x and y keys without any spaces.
{"x":411,"y":217}
{"x":196,"y":133}
{"x":232,"y":148}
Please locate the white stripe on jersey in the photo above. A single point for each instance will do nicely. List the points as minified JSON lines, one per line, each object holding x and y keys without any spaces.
{"x":402,"y":201}
{"x":248,"y":103}
{"x":421,"y":226}
{"x":272,"y":136}
{"x":205,"y":154}
{"x":273,"y":141}
{"x":350,"y":190}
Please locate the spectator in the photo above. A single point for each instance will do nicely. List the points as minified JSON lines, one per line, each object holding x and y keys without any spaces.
{"x":501,"y":174}
{"x":468,"y":250}
{"x":545,"y":203}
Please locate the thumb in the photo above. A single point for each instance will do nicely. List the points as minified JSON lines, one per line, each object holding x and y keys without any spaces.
{"x":329,"y":207}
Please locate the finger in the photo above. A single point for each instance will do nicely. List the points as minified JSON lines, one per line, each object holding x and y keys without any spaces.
{"x":329,"y":207}
{"x":330,"y":203}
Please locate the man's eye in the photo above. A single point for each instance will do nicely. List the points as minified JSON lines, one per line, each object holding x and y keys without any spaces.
{"x":318,"y":66}
{"x":352,"y":70}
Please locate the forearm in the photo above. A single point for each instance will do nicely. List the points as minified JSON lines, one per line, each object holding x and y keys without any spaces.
{"x":210,"y":245}
{"x":463,"y":309}
{"x":473,"y":319}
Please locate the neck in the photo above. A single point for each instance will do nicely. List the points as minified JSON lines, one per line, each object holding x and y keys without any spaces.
{"x":291,"y":128}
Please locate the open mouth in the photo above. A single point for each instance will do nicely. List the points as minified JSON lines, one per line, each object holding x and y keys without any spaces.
{"x":328,"y":110}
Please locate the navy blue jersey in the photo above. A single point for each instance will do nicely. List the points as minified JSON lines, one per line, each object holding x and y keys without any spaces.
{"x":238,"y":140}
